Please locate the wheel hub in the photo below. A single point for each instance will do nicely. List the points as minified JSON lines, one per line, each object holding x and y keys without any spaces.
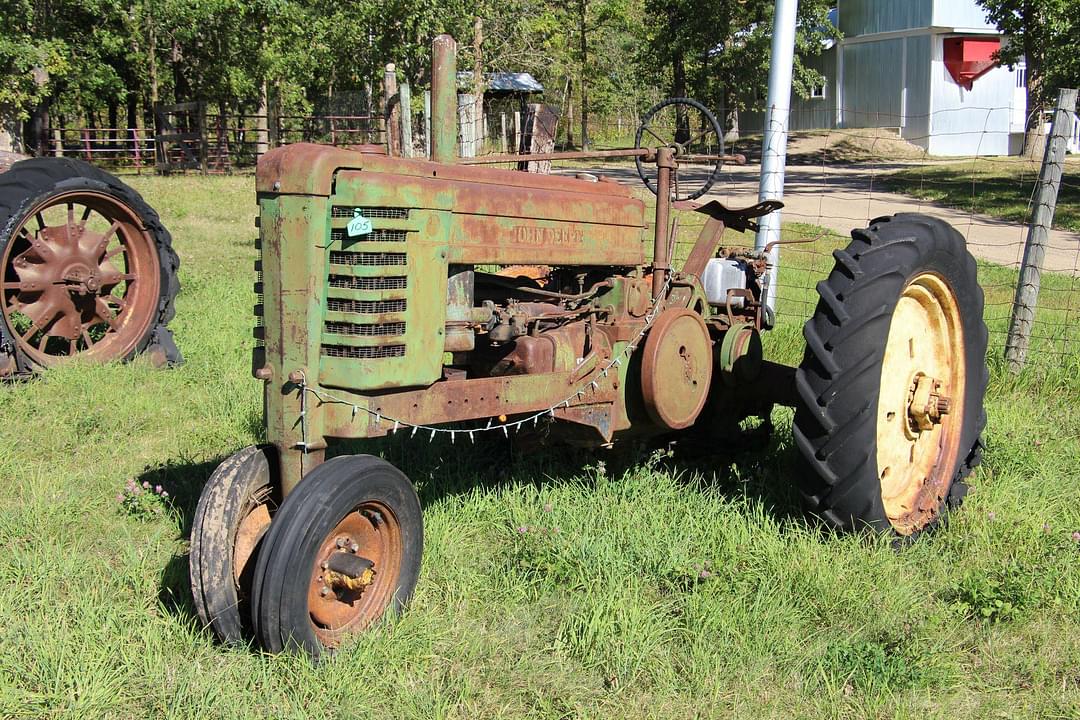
{"x":922,"y":372}
{"x":354,"y":574}
{"x":60,"y":279}
{"x":927,"y":405}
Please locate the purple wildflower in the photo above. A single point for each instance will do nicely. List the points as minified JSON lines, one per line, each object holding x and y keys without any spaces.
{"x":157,"y":489}
{"x":120,"y":498}
{"x":1076,"y":536}
{"x":146,"y":485}
{"x":990,"y":515}
{"x":523,"y":529}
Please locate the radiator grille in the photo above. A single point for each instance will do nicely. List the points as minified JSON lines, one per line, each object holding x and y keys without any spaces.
{"x":377,"y":235}
{"x":371,"y":330}
{"x":347,"y":282}
{"x":367,"y":258}
{"x":385,"y":213}
{"x":363,"y":353}
{"x":365,"y":307}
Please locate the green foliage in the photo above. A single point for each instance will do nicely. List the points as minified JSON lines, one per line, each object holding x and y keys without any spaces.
{"x":143,"y":501}
{"x":1043,"y":33}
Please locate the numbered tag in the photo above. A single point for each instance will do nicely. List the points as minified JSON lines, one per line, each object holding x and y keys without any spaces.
{"x":359,"y":225}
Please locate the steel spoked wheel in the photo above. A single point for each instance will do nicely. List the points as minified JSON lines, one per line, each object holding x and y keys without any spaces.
{"x":80,"y":276}
{"x":922,"y":371}
{"x":231,"y":520}
{"x":86,"y":269}
{"x":691,"y":130}
{"x":891,"y":386}
{"x":344,"y":548}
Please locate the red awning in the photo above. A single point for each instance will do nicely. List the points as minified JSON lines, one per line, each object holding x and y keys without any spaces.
{"x":969,"y":58}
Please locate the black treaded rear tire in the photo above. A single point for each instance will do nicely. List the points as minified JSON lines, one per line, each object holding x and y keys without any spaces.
{"x":280,"y":609}
{"x":840,"y":376}
{"x":30,"y":182}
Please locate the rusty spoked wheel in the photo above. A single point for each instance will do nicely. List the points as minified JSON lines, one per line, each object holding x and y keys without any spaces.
{"x":343,"y":549}
{"x":891,"y":387}
{"x":85,"y":265}
{"x":233,"y":515}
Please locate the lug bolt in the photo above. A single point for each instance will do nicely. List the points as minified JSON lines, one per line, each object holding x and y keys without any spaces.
{"x":341,"y":542}
{"x":324,"y":591}
{"x":324,"y":565}
{"x":354,"y":548}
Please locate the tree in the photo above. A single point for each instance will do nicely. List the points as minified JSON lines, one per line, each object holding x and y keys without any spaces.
{"x":718,"y":50}
{"x":1043,"y":33}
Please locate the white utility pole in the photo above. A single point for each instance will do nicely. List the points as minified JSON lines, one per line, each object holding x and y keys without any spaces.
{"x":774,"y":144}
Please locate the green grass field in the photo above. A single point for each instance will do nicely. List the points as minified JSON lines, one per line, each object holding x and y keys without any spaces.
{"x":554,"y":585}
{"x":1000,"y":187}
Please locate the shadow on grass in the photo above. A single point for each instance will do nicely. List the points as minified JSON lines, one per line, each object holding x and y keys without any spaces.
{"x":752,"y":464}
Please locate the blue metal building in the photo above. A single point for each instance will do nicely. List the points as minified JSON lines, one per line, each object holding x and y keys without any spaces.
{"x":922,"y":67}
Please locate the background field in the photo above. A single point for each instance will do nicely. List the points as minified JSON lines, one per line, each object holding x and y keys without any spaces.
{"x":554,"y":584}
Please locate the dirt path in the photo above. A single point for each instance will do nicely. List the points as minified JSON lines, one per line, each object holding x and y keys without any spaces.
{"x":844,"y":197}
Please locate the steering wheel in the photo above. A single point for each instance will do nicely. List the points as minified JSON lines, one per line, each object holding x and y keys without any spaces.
{"x":691,"y":130}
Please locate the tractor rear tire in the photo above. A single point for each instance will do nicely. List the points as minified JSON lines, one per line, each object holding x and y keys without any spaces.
{"x":892,"y":382}
{"x":355,"y":511}
{"x":29,"y":189}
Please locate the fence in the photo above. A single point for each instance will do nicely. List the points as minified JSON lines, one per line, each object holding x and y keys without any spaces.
{"x":213,"y":142}
{"x":836,"y":180}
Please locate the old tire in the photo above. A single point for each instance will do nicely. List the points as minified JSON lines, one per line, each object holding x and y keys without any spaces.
{"x":232,"y":518}
{"x":41,"y":185}
{"x":354,"y":507}
{"x":899,"y":320}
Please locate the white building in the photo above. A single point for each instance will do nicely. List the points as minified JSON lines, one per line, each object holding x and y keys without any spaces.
{"x":923,"y":67}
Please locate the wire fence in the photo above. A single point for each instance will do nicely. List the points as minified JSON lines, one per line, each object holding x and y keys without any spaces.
{"x":963,"y":165}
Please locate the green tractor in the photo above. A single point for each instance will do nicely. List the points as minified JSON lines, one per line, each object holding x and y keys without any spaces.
{"x":443,"y":298}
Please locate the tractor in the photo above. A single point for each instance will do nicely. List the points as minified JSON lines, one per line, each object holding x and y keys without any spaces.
{"x":444,"y":298}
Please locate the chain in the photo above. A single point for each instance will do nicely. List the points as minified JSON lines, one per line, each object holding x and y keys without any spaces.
{"x":325,"y":397}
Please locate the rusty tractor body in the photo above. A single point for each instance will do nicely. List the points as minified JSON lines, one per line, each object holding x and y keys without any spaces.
{"x":438,"y":297}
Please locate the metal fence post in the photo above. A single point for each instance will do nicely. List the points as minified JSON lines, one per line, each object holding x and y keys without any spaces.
{"x":774,"y":143}
{"x":1042,"y":216}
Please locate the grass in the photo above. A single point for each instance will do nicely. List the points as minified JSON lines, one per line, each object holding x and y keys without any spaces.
{"x":999,"y":187}
{"x":557,"y":584}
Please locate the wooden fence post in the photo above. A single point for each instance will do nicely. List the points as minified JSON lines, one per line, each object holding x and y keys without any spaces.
{"x":1042,"y":216}
{"x":392,"y":113}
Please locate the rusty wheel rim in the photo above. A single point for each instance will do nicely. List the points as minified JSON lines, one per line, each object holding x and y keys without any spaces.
{"x":340,"y":604}
{"x":920,"y":403}
{"x":80,"y":277}
{"x":252,"y":528}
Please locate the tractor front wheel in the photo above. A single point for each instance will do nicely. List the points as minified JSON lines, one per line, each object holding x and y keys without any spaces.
{"x":891,"y":386}
{"x":233,"y":516}
{"x":344,"y":547}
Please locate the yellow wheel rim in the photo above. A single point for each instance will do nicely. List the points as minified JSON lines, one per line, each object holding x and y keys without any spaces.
{"x":920,"y":403}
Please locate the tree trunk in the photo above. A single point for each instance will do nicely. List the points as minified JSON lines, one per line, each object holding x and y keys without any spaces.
{"x":584,"y":50}
{"x":569,"y":99}
{"x":262,"y":133}
{"x":730,"y":120}
{"x":678,"y":74}
{"x":479,"y":126}
{"x":114,"y":120}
